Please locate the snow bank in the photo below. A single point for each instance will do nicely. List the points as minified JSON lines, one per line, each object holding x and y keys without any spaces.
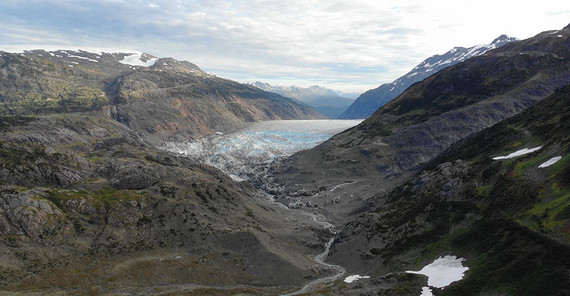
{"x":550,"y":162}
{"x":356,"y":277}
{"x":442,"y":272}
{"x":518,"y":153}
{"x":135,"y":59}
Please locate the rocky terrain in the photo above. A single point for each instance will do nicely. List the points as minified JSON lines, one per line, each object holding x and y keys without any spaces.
{"x":88,"y":205}
{"x":373,"y":99}
{"x":326,"y":101}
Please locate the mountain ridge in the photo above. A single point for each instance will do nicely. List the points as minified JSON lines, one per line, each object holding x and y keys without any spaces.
{"x":367,"y":103}
{"x":191,"y":101}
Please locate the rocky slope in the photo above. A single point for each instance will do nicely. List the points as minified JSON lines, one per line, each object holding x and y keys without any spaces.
{"x":158,"y":98}
{"x":373,"y":99}
{"x":86,"y":207}
{"x":509,"y":217}
{"x":426,"y":119}
{"x":326,"y":101}
{"x":89,"y":206}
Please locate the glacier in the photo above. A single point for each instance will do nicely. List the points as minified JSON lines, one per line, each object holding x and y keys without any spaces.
{"x":248,"y":151}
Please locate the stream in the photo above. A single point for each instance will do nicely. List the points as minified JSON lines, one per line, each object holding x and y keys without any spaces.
{"x":245,"y":153}
{"x":320,"y":258}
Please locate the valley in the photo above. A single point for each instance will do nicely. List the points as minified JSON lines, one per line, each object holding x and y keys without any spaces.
{"x":122,"y":173}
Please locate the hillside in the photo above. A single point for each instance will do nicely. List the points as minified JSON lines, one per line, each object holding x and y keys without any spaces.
{"x":373,"y":99}
{"x":87,"y":207}
{"x":507,"y":216}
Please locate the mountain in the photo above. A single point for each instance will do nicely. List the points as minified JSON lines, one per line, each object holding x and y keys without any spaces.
{"x":508,"y":217}
{"x":422,"y":122}
{"x":373,"y":99}
{"x":160,"y":98}
{"x":326,"y":101}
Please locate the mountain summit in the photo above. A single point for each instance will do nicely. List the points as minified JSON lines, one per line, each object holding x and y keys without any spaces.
{"x":373,"y":99}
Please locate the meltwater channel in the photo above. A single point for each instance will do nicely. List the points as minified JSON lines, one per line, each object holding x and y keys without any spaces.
{"x":243,"y":153}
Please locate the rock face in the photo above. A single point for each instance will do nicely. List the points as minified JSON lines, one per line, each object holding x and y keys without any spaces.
{"x":373,"y":99}
{"x":430,"y":116}
{"x":508,"y":218}
{"x":158,"y":98}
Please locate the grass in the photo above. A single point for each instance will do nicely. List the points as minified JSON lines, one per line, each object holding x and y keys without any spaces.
{"x":547,"y":216}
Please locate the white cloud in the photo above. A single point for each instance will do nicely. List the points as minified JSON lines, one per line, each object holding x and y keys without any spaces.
{"x":301,"y":40}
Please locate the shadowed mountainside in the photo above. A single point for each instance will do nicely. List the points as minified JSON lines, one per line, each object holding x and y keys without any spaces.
{"x":427,"y":118}
{"x":508,"y":217}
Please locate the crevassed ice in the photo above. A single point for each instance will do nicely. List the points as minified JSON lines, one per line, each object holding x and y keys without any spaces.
{"x":241,"y":153}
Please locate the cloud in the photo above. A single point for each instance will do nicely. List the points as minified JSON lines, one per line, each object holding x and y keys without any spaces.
{"x":320,"y":42}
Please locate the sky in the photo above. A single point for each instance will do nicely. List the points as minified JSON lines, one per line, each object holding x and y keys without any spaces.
{"x":351,"y":46}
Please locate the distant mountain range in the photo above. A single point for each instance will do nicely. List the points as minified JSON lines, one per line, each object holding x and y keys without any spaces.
{"x":373,"y":99}
{"x":327,"y":101}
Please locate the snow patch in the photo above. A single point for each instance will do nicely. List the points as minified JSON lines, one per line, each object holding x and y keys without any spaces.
{"x":518,"y":153}
{"x":135,"y":59}
{"x":356,"y":277}
{"x":426,"y":291}
{"x":442,"y":272}
{"x":21,"y":48}
{"x":550,"y":162}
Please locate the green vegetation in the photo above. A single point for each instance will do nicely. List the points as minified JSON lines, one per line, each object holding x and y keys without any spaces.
{"x":100,"y":197}
{"x":485,"y":191}
{"x":63,"y":99}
